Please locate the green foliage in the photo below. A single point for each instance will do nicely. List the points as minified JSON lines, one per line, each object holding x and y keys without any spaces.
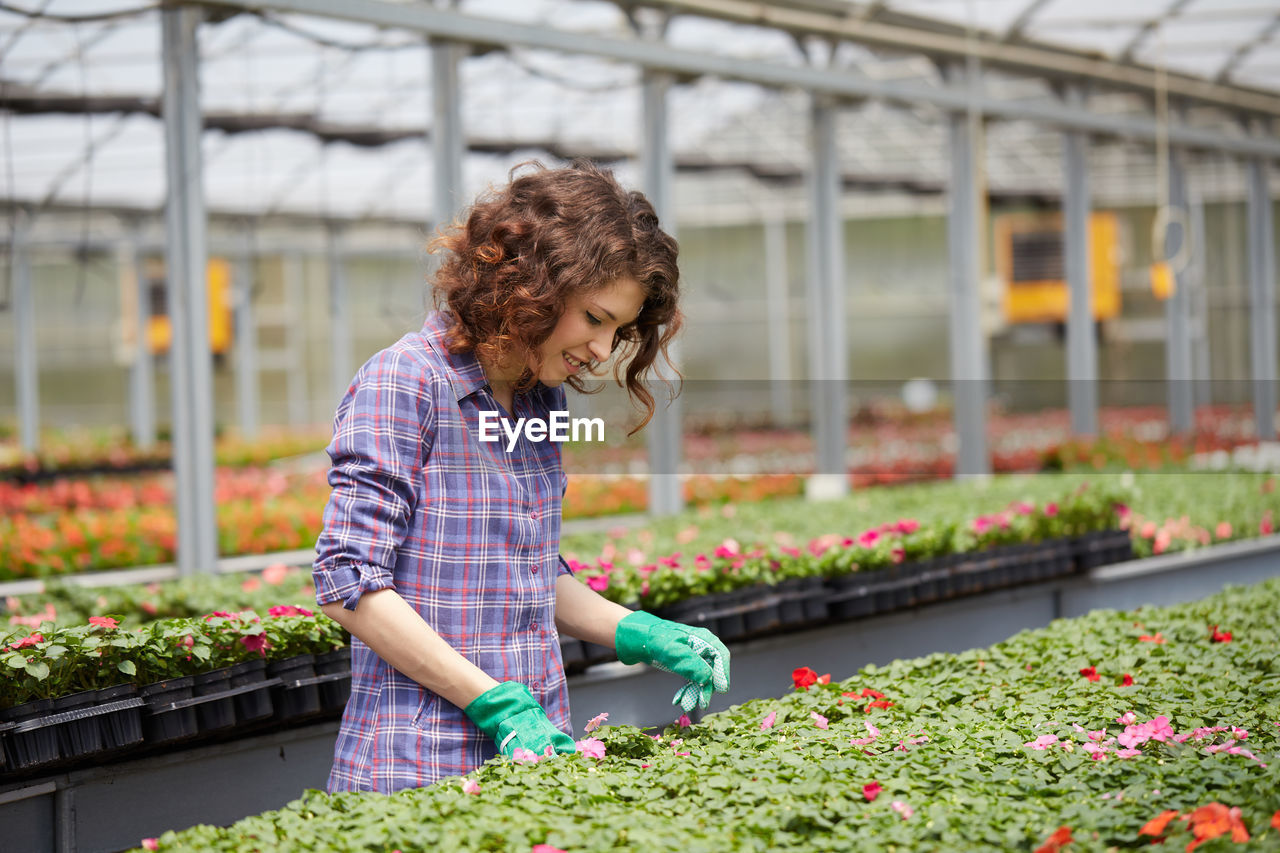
{"x":973,"y":784}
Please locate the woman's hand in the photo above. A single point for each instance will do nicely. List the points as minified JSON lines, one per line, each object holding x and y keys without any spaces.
{"x":694,"y":654}
{"x":511,"y":716}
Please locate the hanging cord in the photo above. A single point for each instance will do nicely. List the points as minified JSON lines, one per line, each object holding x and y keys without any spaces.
{"x":86,"y":208}
{"x":1167,"y":214}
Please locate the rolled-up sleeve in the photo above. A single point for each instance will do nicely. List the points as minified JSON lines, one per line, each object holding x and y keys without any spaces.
{"x":382,"y":435}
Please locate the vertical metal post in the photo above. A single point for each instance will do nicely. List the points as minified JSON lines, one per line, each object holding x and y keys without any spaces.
{"x":142,"y":402}
{"x":826,"y":311}
{"x":339,"y":321}
{"x":664,"y":431}
{"x":778,"y":320}
{"x":1262,"y":284}
{"x":295,"y":356}
{"x":447,"y":139}
{"x":186,"y":258}
{"x":1178,"y":335}
{"x":26,"y":366}
{"x":1202,"y":373}
{"x":1082,"y":357}
{"x":968,"y":350}
{"x":246,"y":340}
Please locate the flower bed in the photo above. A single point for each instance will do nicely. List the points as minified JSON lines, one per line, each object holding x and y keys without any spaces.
{"x":1040,"y":742}
{"x":71,"y":693}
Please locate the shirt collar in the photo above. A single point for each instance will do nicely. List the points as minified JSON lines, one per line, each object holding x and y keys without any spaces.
{"x":466,"y":376}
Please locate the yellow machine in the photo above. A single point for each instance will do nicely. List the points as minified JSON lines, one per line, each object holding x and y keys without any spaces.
{"x":1029,"y":256}
{"x":159,"y":330}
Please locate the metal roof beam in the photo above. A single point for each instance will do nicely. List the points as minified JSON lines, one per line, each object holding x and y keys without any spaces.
{"x":443,"y":23}
{"x":1152,"y":24}
{"x":1237,"y":56}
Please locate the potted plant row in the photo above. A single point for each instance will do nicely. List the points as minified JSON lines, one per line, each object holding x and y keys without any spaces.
{"x":743,"y":593}
{"x":89,"y":689}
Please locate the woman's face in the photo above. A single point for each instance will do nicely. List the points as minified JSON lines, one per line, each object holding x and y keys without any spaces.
{"x":586,"y":329}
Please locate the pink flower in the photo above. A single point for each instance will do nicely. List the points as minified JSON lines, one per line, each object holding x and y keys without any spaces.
{"x":1127,"y":719}
{"x":1097,"y":735}
{"x":470,"y":786}
{"x":545,"y":848}
{"x":1051,"y":509}
{"x":1097,"y":753}
{"x":908,"y":526}
{"x":29,"y":640}
{"x":598,"y":582}
{"x":288,"y":610}
{"x":684,"y":722}
{"x":903,"y":809}
{"x":256,"y":643}
{"x":1239,"y":733}
{"x":818,"y":720}
{"x":275,"y":574}
{"x":869,"y":538}
{"x":1223,"y":530}
{"x":872,"y":733}
{"x":767,"y":722}
{"x":1043,"y":742}
{"x":219,"y":614}
{"x":524,"y":756}
{"x":103,"y":621}
{"x":596,"y":721}
{"x":591,"y":747}
{"x":871,"y":790}
{"x":728,"y":549}
{"x":1128,"y":753}
{"x":150,"y":844}
{"x":250,"y":584}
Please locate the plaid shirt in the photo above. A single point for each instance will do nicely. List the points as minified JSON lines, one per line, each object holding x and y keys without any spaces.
{"x":466,"y":532}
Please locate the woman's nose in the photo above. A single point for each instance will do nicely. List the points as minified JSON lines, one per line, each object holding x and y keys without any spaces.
{"x":600,"y":346}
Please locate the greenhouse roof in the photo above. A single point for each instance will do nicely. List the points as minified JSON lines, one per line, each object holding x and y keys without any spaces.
{"x":311,"y":115}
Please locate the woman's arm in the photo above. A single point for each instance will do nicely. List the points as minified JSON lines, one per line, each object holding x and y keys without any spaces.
{"x":385,"y":622}
{"x":584,"y":613}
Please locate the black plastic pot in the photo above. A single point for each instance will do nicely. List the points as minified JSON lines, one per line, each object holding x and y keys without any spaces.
{"x":252,"y":704}
{"x":335,"y":668}
{"x":852,"y":596}
{"x":163,"y":720}
{"x":122,"y":727}
{"x":219,"y":712}
{"x":699,"y":611}
{"x":32,"y":741}
{"x":298,"y":694}
{"x":572,"y":655}
{"x":80,"y":734}
{"x":1101,"y":548}
{"x":766,"y":617}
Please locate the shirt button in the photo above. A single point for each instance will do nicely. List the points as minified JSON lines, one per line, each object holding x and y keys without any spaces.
{"x":534,"y":515}
{"x":533,"y":569}
{"x":533,"y":625}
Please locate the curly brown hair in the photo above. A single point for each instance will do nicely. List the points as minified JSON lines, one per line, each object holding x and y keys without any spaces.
{"x":511,"y":264}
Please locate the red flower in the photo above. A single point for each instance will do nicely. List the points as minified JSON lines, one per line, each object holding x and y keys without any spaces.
{"x":1156,"y":825}
{"x":877,"y":703}
{"x":1091,"y":673}
{"x":1148,"y":638}
{"x":1215,"y":820}
{"x":1127,"y":681}
{"x":103,"y":621}
{"x":1275,"y":820}
{"x":1061,"y":838}
{"x":256,"y":643}
{"x":1217,"y":636}
{"x":29,"y":640}
{"x":803,"y":678}
{"x":867,"y":691}
{"x":871,"y":790}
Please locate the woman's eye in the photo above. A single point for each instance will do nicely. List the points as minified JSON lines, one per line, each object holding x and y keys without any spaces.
{"x":593,"y":319}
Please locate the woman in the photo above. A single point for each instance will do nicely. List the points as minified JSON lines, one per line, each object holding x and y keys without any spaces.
{"x":439,"y":551}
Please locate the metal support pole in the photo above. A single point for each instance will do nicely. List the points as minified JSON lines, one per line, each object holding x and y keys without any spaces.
{"x":190,"y":361}
{"x":246,"y":341}
{"x":664,"y":431}
{"x":339,"y":321}
{"x":779,"y":323}
{"x":447,"y":139}
{"x":968,"y":348}
{"x":26,"y":366}
{"x":1178,"y":336}
{"x":1082,"y":356}
{"x":1262,"y":285}
{"x":142,"y":398}
{"x":296,"y":380}
{"x":829,"y":373}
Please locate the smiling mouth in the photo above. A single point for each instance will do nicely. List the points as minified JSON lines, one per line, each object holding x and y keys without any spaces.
{"x":575,"y":364}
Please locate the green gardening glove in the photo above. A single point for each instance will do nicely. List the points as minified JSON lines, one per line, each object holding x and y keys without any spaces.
{"x":694,"y":654}
{"x":511,"y":716}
